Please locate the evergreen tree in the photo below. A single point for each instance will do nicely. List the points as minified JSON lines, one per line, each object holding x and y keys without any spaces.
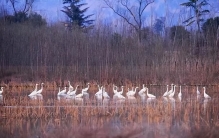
{"x":75,"y":14}
{"x":197,"y":7}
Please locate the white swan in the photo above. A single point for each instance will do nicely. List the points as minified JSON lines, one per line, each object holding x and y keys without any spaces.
{"x":70,"y":87}
{"x":180,"y":92}
{"x":1,"y":90}
{"x":40,"y":91}
{"x":34,"y":91}
{"x":86,"y":89}
{"x":100,"y":91}
{"x":205,"y":94}
{"x":115,"y":91}
{"x":73,"y":92}
{"x":62,"y":92}
{"x":150,"y":95}
{"x":80,"y":95}
{"x":132,"y":92}
{"x":171,"y":90}
{"x":197,"y":91}
{"x":105,"y":94}
{"x":172,"y":94}
{"x":119,"y":96}
{"x":165,"y":94}
{"x":142,"y":91}
{"x":120,"y":92}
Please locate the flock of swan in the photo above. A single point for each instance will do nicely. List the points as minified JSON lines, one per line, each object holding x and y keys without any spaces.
{"x":102,"y":93}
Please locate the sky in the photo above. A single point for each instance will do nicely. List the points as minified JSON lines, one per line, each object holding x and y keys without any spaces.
{"x":51,"y":10}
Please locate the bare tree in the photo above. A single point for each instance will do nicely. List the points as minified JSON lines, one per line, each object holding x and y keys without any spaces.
{"x":27,"y":5}
{"x":130,"y":11}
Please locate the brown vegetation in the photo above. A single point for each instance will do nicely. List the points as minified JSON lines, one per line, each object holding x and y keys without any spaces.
{"x":53,"y":54}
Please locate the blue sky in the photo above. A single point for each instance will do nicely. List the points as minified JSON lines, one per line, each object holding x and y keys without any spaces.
{"x":50,"y":9}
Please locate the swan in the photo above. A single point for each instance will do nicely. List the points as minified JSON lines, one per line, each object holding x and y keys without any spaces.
{"x":70,"y":87}
{"x":205,"y":94}
{"x":86,"y":89}
{"x":1,"y":90}
{"x":100,"y":91}
{"x":180,"y":92}
{"x":132,"y":92}
{"x":34,"y":91}
{"x":115,"y":91}
{"x":73,"y":92}
{"x":172,"y":94}
{"x":40,"y":91}
{"x":142,"y":91}
{"x":197,"y":91}
{"x":98,"y":87}
{"x":105,"y":94}
{"x":62,"y":92}
{"x":171,"y":90}
{"x":165,"y":94}
{"x":80,"y":95}
{"x":120,"y":92}
{"x":150,"y":95}
{"x":119,"y":96}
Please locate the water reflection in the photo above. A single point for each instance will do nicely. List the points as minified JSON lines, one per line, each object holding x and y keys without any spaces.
{"x":206,"y":100}
{"x":179,"y":98}
{"x":36,"y":97}
{"x":60,"y":97}
{"x":131,"y":99}
{"x":165,"y":100}
{"x":172,"y":101}
{"x":1,"y":99}
{"x":106,"y":102}
{"x":78,"y":101}
{"x":150,"y":100}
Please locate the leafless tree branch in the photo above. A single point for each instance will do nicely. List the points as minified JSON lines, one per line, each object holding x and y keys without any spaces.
{"x":137,"y":18}
{"x":28,"y":4}
{"x":119,"y":14}
{"x":125,"y":4}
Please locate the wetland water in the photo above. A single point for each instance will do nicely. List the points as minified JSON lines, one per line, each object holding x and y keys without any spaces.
{"x":49,"y":115}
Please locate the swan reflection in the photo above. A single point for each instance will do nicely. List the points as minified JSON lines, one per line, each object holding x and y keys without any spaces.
{"x":1,"y":99}
{"x":36,"y":97}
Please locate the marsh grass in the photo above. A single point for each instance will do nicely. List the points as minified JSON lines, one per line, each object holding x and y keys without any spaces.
{"x":52,"y":54}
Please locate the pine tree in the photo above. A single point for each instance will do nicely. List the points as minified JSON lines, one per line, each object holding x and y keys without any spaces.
{"x":76,"y":14}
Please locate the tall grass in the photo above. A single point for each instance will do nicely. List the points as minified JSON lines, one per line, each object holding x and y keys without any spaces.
{"x":52,"y":53}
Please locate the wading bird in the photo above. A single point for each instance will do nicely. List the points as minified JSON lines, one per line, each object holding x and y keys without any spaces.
{"x":1,"y":90}
{"x":205,"y":94}
{"x":180,"y":92}
{"x":150,"y":95}
{"x":172,"y":94}
{"x":62,"y":92}
{"x":86,"y":89}
{"x":165,"y":94}
{"x":197,"y":91}
{"x":132,"y":92}
{"x":142,"y":91}
{"x":80,"y":95}
{"x":40,"y":91}
{"x":73,"y":92}
{"x":171,"y":90}
{"x":34,"y":91}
